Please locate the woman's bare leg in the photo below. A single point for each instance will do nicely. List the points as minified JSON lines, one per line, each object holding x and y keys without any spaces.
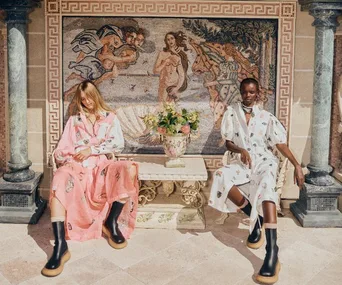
{"x":57,"y":210}
{"x":270,"y":212}
{"x":255,"y":238}
{"x":236,"y":197}
{"x":60,"y":253}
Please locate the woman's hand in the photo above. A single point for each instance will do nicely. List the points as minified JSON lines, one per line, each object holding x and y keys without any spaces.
{"x":82,"y":155}
{"x":173,"y":91}
{"x":298,"y":176}
{"x":175,"y":49}
{"x":246,"y":158}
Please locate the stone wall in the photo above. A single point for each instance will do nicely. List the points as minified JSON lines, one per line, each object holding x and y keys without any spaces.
{"x":300,"y":131}
{"x":36,"y":95}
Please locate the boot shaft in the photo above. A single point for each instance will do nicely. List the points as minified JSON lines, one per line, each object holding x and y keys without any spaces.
{"x":271,"y":241}
{"x":247,"y":209}
{"x":115,"y":211}
{"x":58,"y":232}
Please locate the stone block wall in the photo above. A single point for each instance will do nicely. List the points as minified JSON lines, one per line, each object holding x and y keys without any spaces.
{"x":36,"y":95}
{"x":300,"y":133}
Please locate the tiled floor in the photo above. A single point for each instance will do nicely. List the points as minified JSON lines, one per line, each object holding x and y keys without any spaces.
{"x":217,"y":255}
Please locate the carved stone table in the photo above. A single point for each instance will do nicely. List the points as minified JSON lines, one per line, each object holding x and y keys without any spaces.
{"x":184,"y":212}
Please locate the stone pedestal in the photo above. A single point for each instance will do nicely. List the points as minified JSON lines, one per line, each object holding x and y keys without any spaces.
{"x":20,"y":202}
{"x":171,"y":198}
{"x":317,"y":206}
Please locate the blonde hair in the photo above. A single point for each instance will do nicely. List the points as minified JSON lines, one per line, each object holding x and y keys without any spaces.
{"x":93,"y":93}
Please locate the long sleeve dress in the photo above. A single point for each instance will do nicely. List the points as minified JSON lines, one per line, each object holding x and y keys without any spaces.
{"x":86,"y":189}
{"x":257,"y":184}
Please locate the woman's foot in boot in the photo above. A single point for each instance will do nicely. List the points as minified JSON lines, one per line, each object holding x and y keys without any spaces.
{"x":269,"y":271}
{"x":111,"y":227}
{"x":255,"y":239}
{"x":60,"y":253}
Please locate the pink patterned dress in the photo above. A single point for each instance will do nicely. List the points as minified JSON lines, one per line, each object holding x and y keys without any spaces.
{"x":86,"y":189}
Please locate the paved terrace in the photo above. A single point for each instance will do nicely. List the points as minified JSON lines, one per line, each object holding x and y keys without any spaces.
{"x":217,"y":255}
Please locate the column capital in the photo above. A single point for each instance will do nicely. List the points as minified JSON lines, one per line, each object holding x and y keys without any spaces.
{"x":17,"y":10}
{"x":325,"y":12}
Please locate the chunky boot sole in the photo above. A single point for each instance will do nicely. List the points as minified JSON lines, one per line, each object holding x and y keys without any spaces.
{"x":54,"y":272}
{"x":111,"y":242}
{"x":258,"y":244}
{"x":271,"y":279}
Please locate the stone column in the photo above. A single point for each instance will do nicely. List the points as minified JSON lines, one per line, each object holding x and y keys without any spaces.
{"x":325,"y":23}
{"x":17,"y":90}
{"x":19,"y":202}
{"x":317,"y":205}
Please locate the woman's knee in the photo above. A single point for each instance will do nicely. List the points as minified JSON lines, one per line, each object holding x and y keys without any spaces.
{"x":56,"y":207}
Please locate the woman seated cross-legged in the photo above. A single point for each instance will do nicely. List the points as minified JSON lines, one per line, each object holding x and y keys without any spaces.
{"x":91,"y":194}
{"x":250,"y":133}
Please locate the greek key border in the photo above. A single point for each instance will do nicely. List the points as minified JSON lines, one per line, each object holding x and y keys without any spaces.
{"x":54,"y":83}
{"x":55,"y":9}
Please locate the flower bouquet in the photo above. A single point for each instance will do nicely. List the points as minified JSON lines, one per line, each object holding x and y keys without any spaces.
{"x":175,"y":127}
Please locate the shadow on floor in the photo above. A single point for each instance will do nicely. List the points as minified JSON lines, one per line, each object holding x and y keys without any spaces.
{"x":231,"y":234}
{"x":42,"y":233}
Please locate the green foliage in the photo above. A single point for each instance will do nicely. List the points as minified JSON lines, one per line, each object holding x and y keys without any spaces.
{"x":170,"y":121}
{"x":246,"y":35}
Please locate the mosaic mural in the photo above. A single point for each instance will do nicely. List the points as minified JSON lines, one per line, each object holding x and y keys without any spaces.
{"x":139,"y":63}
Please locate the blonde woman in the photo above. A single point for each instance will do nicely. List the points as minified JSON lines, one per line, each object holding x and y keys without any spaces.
{"x":90,"y":194}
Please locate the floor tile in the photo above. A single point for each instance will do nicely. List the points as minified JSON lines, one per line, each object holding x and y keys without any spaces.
{"x":221,"y":269}
{"x":119,"y":278}
{"x":123,"y":258}
{"x":88,"y":270}
{"x":169,"y":264}
{"x":329,"y":274}
{"x":300,"y":262}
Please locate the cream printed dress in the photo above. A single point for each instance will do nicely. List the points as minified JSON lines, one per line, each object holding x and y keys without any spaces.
{"x":257,"y":183}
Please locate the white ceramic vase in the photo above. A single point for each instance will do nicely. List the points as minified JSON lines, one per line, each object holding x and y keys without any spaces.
{"x":174,"y":147}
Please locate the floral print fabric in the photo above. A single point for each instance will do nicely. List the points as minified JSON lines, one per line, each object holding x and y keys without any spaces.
{"x":87,"y":189}
{"x":257,"y":183}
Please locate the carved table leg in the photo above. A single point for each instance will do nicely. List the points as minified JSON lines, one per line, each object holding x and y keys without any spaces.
{"x":193,"y":196}
{"x":147,"y":191}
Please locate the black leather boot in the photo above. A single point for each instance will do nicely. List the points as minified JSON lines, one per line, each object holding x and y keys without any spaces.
{"x":269,"y":271}
{"x":60,"y":253}
{"x":255,"y":239}
{"x":111,"y":227}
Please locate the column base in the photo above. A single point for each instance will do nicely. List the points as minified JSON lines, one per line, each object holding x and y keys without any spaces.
{"x":19,"y":176}
{"x":320,"y":178}
{"x":20,"y":203}
{"x":317,"y":206}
